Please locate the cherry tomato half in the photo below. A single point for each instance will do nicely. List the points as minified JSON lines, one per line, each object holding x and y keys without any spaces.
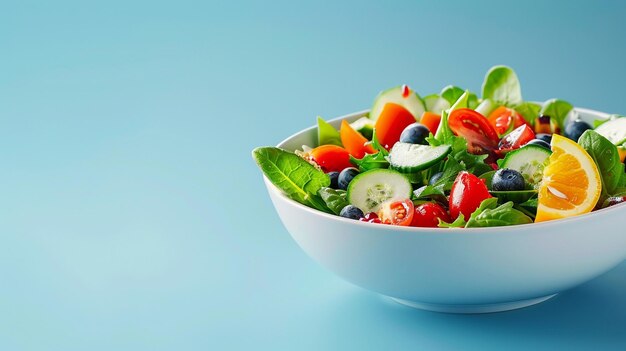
{"x":502,"y":118}
{"x":353,"y":141}
{"x":397,"y":212}
{"x":331,"y":158}
{"x":390,"y":124}
{"x":428,"y":215}
{"x":516,"y":139}
{"x":475,"y":128}
{"x":468,"y":191}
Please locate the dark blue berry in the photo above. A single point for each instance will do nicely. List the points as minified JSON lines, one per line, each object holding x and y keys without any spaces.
{"x":545,"y":137}
{"x":415,"y":133}
{"x":334,"y":179}
{"x":435,"y":178}
{"x":351,"y":212}
{"x":345,"y":177}
{"x":575,"y":129}
{"x":506,"y":179}
{"x":539,"y":142}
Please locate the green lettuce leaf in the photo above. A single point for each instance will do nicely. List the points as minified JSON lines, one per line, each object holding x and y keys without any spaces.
{"x":529,"y":110}
{"x":453,"y":93}
{"x":557,"y":110}
{"x":297,"y":178}
{"x":327,"y":134}
{"x":370,"y":161}
{"x":606,"y":157}
{"x":501,"y":85}
{"x":335,"y":199}
{"x":489,"y":214}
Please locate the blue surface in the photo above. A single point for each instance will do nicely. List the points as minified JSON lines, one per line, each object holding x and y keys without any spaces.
{"x":133,"y":218}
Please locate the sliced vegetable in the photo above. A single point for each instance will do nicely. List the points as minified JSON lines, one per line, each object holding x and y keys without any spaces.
{"x":503,"y":118}
{"x":466,"y":195}
{"x":331,"y":158}
{"x":429,"y":214}
{"x":486,"y":107}
{"x":435,"y":104}
{"x":369,"y":190}
{"x":475,"y":128}
{"x":397,"y":212}
{"x":517,"y":138}
{"x":402,"y":96}
{"x":390,"y":124}
{"x":411,"y":158}
{"x":529,"y":160}
{"x":614,"y":130}
{"x":354,"y":142}
{"x":365,"y":126}
{"x":431,"y":121}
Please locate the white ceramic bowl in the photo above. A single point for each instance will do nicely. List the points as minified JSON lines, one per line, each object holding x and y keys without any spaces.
{"x":474,"y":270}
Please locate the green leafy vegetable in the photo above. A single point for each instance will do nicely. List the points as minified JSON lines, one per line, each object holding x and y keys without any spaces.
{"x":489,"y":214}
{"x":444,"y":134}
{"x":606,"y":157}
{"x":501,"y":85}
{"x":435,"y":103}
{"x":453,"y":93}
{"x":370,"y":161}
{"x":429,"y":192}
{"x":297,"y":178}
{"x":377,"y":146}
{"x":335,"y":199}
{"x":557,"y":110}
{"x":459,"y":222}
{"x":327,"y":134}
{"x":528,"y":110}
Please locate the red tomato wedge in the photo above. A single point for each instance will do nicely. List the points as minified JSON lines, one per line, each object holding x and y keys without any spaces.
{"x":353,"y":141}
{"x":516,"y":139}
{"x":475,"y":128}
{"x":468,"y":191}
{"x":331,"y":158}
{"x":431,"y":121}
{"x":397,"y":212}
{"x":390,"y":124}
{"x":428,"y":215}
{"x":502,"y":118}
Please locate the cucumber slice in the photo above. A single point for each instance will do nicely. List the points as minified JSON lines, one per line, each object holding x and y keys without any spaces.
{"x":411,"y":158}
{"x":412,"y":102}
{"x":529,"y":160}
{"x":436,"y":104}
{"x":370,"y":189}
{"x":614,"y":130}
{"x":365,"y":126}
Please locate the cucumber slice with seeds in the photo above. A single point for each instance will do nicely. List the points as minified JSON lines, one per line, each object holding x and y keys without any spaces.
{"x":529,"y":160}
{"x":411,"y":101}
{"x":370,"y":189}
{"x":412,"y":158}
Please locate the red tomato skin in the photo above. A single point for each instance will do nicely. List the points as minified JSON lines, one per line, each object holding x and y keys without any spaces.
{"x":468,"y":191}
{"x":475,"y":128}
{"x":502,"y":117}
{"x":516,"y":139}
{"x":331,"y":158}
{"x":397,"y":213}
{"x":429,"y":214}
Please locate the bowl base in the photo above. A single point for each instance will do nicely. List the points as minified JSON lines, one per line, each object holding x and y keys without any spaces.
{"x":470,"y":309}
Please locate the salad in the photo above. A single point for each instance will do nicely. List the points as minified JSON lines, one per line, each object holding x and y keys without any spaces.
{"x":455,"y":159}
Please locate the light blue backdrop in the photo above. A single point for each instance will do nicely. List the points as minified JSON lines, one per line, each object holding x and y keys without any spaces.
{"x":133,"y":218}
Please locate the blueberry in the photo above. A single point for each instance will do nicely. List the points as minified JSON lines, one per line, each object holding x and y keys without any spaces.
{"x":545,"y":137}
{"x":415,"y":133}
{"x":506,"y":179}
{"x":435,"y":178}
{"x":345,"y":177}
{"x":539,"y":142}
{"x":351,"y":212}
{"x":334,"y":178}
{"x":575,"y":129}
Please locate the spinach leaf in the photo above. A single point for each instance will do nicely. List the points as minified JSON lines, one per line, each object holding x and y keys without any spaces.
{"x":489,"y":214}
{"x":377,"y":146}
{"x":370,"y":161}
{"x":297,"y":178}
{"x":453,"y":93}
{"x":430,"y":193}
{"x":335,"y":199}
{"x":529,"y":110}
{"x":459,"y":222}
{"x":327,"y":134}
{"x":435,"y":103}
{"x":444,"y":134}
{"x":606,"y":157}
{"x":501,"y":85}
{"x":557,"y":110}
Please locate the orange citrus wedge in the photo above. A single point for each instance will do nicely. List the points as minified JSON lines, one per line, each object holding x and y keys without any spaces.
{"x":571,"y":182}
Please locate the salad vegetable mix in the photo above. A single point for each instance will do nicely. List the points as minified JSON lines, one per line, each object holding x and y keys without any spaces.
{"x":453,"y":160}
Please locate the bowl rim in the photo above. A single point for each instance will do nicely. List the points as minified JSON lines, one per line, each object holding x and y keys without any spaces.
{"x":437,"y":231}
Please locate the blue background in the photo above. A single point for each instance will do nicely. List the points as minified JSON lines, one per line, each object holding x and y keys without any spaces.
{"x":132,"y":216}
